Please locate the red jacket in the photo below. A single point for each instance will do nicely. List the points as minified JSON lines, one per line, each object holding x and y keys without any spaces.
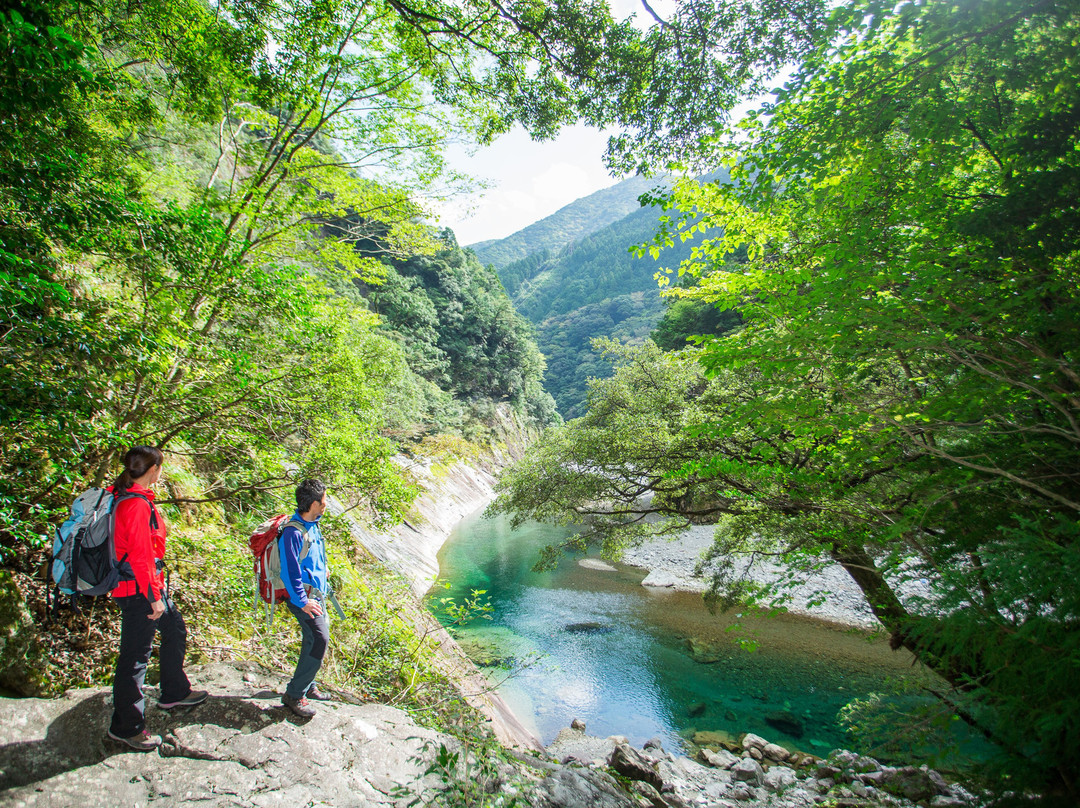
{"x":134,"y":537}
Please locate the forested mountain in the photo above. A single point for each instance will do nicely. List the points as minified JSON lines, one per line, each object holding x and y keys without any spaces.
{"x":580,"y":218}
{"x":597,"y":286}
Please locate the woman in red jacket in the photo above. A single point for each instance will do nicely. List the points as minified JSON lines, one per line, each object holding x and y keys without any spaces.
{"x":139,"y":537}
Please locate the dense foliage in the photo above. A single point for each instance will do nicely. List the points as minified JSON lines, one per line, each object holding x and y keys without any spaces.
{"x":462,"y":332}
{"x":188,"y":192}
{"x":902,"y":399}
{"x":567,"y":341}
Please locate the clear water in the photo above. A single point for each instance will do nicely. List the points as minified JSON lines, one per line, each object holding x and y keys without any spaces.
{"x":598,"y":646}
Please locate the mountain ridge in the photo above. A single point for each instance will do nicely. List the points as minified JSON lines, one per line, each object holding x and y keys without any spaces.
{"x":576,"y":220}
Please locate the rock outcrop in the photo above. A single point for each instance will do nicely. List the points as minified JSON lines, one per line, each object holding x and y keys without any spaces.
{"x":242,"y":748}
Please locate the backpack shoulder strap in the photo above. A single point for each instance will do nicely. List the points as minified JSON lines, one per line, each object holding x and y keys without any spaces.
{"x":129,"y":495}
{"x":306,"y":548}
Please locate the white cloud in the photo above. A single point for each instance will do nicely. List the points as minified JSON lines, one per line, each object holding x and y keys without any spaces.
{"x":529,"y":181}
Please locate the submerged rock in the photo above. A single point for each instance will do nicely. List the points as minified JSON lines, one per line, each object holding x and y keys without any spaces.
{"x":596,"y":564}
{"x":717,"y":739}
{"x":707,"y":652}
{"x":786,"y":723}
{"x":697,"y":710}
{"x":588,"y":628}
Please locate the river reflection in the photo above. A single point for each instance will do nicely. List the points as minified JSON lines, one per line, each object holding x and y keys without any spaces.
{"x":635,"y":661}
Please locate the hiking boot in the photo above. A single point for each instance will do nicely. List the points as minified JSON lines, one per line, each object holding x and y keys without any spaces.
{"x":190,"y":700}
{"x":301,"y":707}
{"x":315,"y":694}
{"x":140,"y":742}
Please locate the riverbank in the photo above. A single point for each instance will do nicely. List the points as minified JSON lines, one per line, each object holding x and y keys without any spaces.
{"x":831,"y":595}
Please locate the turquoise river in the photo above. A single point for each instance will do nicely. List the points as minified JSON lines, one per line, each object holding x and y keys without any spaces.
{"x":643,"y":662}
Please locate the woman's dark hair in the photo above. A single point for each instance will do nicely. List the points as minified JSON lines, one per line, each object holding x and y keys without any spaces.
{"x":308,"y":492}
{"x":137,"y":461}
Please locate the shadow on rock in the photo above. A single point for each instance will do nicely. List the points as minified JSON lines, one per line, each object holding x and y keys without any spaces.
{"x":77,"y":737}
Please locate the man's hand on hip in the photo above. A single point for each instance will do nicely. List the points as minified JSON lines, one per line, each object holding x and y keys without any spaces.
{"x":312,"y":608}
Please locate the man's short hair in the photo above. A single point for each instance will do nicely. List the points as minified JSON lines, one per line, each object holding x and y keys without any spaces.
{"x":308,"y":493}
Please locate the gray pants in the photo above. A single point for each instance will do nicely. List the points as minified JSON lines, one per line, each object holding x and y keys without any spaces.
{"x":316,"y":633}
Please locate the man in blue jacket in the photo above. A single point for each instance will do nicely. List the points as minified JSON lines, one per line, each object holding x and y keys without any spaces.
{"x":304,"y":573}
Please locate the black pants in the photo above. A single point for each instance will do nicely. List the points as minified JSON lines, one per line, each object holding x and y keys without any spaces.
{"x":136,"y":639}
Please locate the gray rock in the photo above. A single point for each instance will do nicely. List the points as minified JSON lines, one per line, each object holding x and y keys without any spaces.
{"x":577,"y":724}
{"x":741,"y":793}
{"x":749,"y":771}
{"x":756,"y":753}
{"x":827,"y":770}
{"x":238,"y":747}
{"x":779,"y":778}
{"x":751,"y":741}
{"x":874,"y":779}
{"x":864,"y":765}
{"x":943,"y":801}
{"x":659,"y":579}
{"x":774,"y":751}
{"x":577,"y":743}
{"x":654,"y":743}
{"x":915,"y":784}
{"x":649,"y":794}
{"x":631,"y":764}
{"x":581,"y":788}
{"x":721,"y":759}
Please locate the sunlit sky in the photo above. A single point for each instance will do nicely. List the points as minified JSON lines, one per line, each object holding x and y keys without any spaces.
{"x":527,"y":180}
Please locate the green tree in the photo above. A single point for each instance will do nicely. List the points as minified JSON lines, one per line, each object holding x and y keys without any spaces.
{"x":902,"y":397}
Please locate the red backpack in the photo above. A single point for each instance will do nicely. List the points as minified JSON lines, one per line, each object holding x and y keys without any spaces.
{"x":264,"y":547}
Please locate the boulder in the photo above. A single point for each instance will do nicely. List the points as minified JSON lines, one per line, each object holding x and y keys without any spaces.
{"x":874,"y":779}
{"x":579,"y":788}
{"x":749,"y":771}
{"x":631,"y":764}
{"x":741,"y":792}
{"x":779,"y":778}
{"x":577,"y":724}
{"x":774,"y":751}
{"x":915,"y":784}
{"x":654,"y":744}
{"x":720,"y":759}
{"x":581,"y":746}
{"x":752,"y":741}
{"x":707,"y":651}
{"x":659,"y":579}
{"x":650,"y":795}
{"x":596,"y":564}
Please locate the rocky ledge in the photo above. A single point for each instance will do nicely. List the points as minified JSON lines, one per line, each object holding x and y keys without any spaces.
{"x":242,"y":748}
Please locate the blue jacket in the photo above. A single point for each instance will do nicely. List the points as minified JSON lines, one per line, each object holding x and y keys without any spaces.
{"x":296,"y":572}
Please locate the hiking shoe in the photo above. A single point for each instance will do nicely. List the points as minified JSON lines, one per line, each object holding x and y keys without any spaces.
{"x":141,"y":742}
{"x":190,"y":700}
{"x":301,"y":707}
{"x":315,"y":694}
